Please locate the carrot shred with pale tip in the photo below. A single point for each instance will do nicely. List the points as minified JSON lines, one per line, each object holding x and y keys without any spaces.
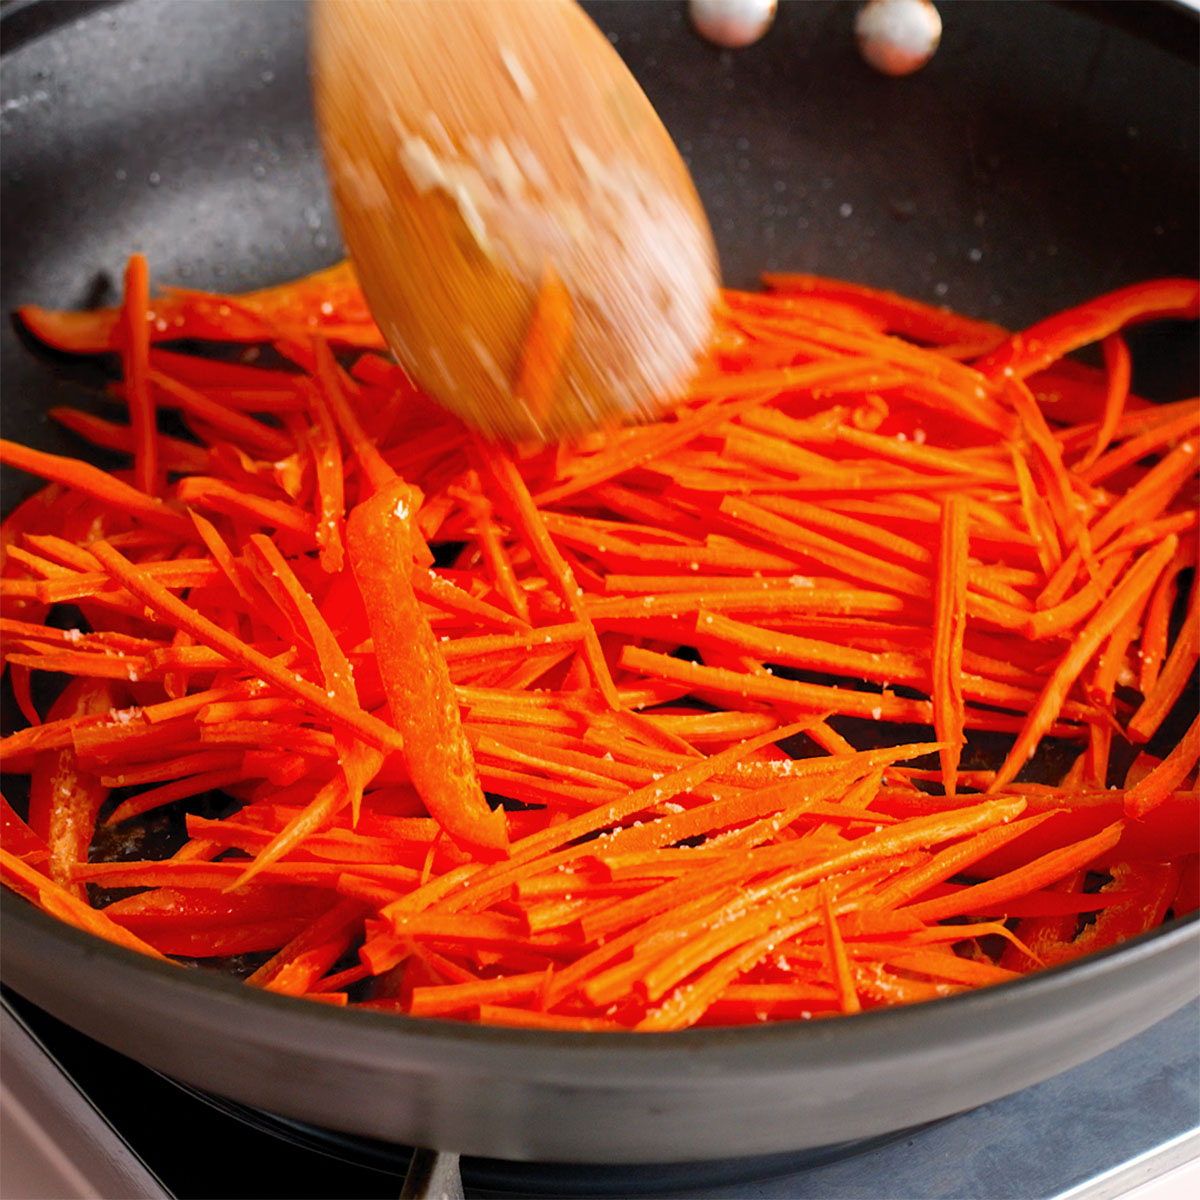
{"x":692,"y":723}
{"x":544,"y":349}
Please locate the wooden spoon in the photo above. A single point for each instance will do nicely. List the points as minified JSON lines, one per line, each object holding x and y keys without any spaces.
{"x":522,"y":225}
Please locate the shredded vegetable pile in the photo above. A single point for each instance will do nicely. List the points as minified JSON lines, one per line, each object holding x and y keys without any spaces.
{"x":837,"y":687}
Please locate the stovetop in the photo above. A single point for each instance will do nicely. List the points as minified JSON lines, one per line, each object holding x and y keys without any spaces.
{"x":117,"y":1129}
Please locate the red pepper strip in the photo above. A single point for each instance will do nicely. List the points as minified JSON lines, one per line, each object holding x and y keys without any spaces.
{"x":58,"y":902}
{"x":102,"y":487}
{"x":1041,"y":937}
{"x":17,"y":838}
{"x":179,"y":789}
{"x":222,"y":941}
{"x":21,"y":680}
{"x":1039,"y":346}
{"x":900,"y":314}
{"x":162,"y":908}
{"x":1149,"y":888}
{"x":380,"y":540}
{"x":1146,"y":890}
{"x":63,"y":799}
{"x":328,"y":302}
{"x":174,"y":454}
{"x":1187,"y":894}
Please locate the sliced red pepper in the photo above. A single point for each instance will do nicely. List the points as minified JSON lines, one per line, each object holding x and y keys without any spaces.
{"x":328,"y":302}
{"x":1036,"y":348}
{"x":64,"y":799}
{"x":381,"y":538}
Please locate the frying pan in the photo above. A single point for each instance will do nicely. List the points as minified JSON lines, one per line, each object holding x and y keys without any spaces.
{"x":1048,"y":153}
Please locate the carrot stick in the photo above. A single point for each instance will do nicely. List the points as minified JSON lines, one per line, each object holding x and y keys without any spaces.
{"x":993,"y":894}
{"x":135,"y":361}
{"x":544,"y":347}
{"x":209,"y":634}
{"x":504,"y":476}
{"x":379,"y":474}
{"x":838,"y":958}
{"x":1124,"y":596}
{"x":1175,"y":673}
{"x":1154,"y":788}
{"x":949,"y":625}
{"x":59,"y":902}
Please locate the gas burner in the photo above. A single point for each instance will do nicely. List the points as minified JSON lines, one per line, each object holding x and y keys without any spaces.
{"x":493,"y":1177}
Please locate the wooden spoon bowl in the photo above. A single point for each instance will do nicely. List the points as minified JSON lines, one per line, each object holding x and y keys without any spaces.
{"x":523,"y":227}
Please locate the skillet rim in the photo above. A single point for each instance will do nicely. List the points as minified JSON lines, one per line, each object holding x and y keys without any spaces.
{"x":1173,"y":936}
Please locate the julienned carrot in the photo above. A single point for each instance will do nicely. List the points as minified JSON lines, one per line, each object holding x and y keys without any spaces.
{"x":1175,"y":673}
{"x":949,"y":622}
{"x":1119,"y":364}
{"x":1155,"y":787}
{"x":172,"y":609}
{"x":1127,"y":593}
{"x":514,"y":494}
{"x":992,"y":895}
{"x":135,"y":358}
{"x":546,"y":341}
{"x":801,"y":522}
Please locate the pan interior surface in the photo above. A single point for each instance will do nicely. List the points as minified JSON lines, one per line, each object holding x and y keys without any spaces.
{"x":1044,"y":156}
